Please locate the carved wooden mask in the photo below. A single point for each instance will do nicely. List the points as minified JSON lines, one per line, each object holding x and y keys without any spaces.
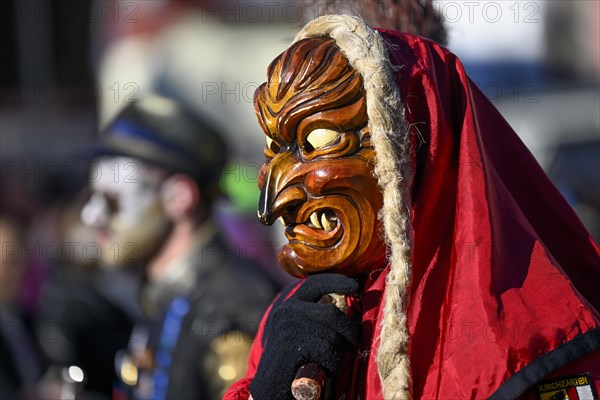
{"x":318,"y":176}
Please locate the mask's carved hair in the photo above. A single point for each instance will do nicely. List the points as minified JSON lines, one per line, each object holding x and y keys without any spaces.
{"x":309,"y":81}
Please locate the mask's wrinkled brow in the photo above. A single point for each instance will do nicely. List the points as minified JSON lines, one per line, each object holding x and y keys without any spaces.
{"x":310,"y":85}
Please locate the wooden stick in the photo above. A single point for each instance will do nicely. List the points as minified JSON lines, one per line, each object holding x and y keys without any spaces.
{"x":309,"y":382}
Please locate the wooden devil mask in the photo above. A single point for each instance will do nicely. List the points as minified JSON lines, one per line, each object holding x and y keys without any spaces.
{"x":318,"y":175}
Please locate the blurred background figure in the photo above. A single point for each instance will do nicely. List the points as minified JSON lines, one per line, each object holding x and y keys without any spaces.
{"x":69,"y":68}
{"x":159,"y":166}
{"x":212,"y":55}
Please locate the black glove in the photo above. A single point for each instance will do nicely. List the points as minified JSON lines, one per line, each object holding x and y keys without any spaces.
{"x":304,"y":331}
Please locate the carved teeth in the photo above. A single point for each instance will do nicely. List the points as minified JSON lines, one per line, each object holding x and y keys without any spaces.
{"x":327,"y":224}
{"x":280,"y":219}
{"x":321,"y":220}
{"x":315,"y":220}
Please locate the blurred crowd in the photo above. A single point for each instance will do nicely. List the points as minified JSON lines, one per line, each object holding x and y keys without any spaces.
{"x":129,"y":163}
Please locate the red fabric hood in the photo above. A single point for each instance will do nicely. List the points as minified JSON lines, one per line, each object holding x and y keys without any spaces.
{"x":503,"y":270}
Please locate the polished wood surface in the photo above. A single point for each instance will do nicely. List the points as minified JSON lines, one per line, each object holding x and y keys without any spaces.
{"x":318,"y":176}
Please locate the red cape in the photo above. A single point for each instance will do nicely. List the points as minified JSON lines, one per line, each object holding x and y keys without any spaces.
{"x":503,"y":270}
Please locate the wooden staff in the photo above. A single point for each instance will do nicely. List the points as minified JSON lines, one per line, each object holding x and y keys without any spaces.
{"x":310,"y":378}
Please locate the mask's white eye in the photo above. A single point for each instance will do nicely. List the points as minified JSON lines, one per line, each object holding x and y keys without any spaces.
{"x":272,"y":145}
{"x":322,"y":137}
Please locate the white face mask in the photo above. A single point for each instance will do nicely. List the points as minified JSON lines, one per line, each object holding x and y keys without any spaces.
{"x":126,"y":209}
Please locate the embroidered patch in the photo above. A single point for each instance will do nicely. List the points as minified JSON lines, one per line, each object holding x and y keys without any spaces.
{"x":577,"y":387}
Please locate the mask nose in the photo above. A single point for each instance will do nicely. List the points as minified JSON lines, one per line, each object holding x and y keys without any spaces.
{"x":265,"y":216}
{"x":95,"y":212}
{"x":279,"y":189}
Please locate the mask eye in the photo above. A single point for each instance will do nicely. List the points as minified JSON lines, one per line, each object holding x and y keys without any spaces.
{"x":272,"y":145}
{"x":321,"y":137}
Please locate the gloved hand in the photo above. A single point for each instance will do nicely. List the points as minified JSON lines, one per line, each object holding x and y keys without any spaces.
{"x":304,"y":331}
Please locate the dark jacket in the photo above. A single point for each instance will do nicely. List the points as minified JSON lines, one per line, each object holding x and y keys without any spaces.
{"x":213,"y":309}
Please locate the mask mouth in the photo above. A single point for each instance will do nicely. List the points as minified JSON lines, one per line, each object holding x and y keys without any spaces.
{"x":324,"y":219}
{"x":313,"y":225}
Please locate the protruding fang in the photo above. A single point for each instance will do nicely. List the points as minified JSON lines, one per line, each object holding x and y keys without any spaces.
{"x":315,"y":220}
{"x":327,"y":224}
{"x":280,"y":219}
